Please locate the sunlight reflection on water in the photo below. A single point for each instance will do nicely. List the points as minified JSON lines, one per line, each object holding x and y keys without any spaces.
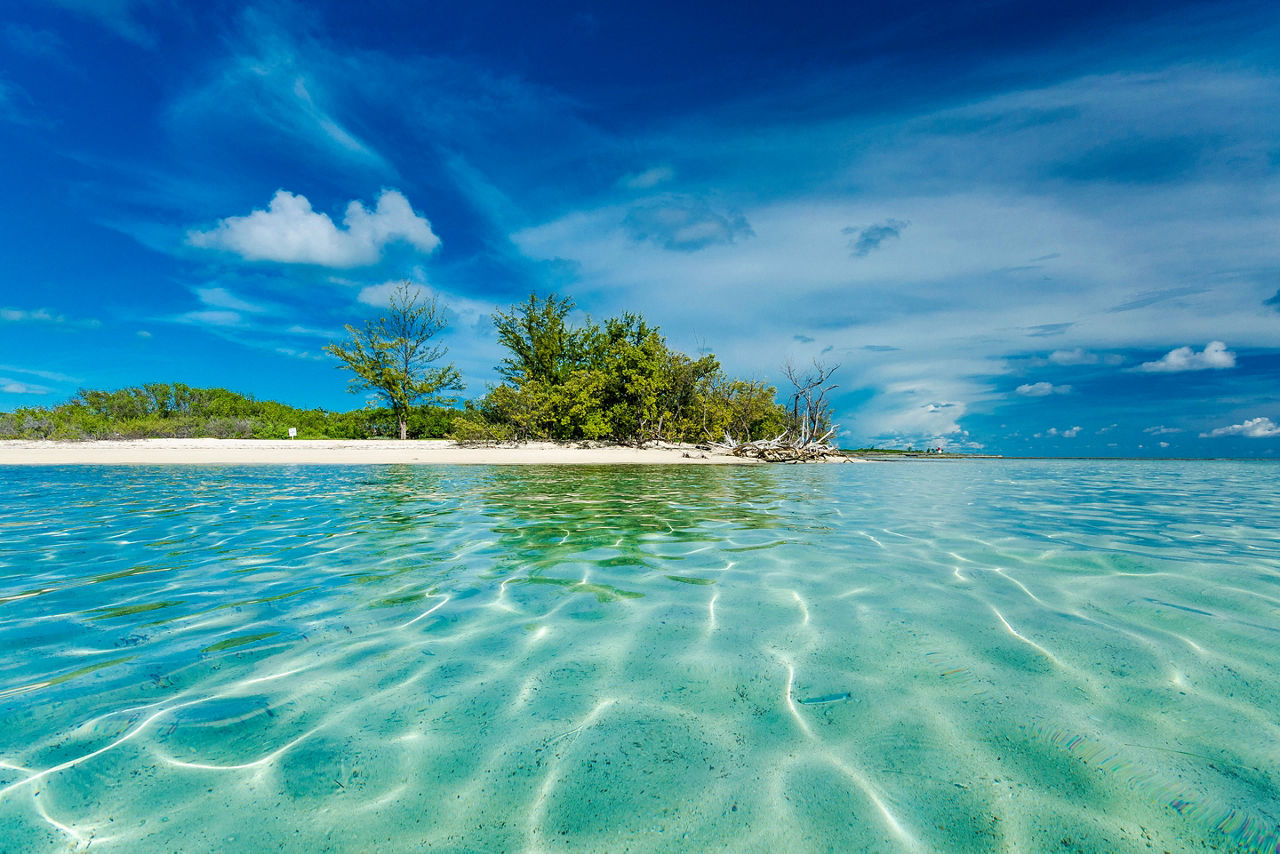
{"x":944,"y":656}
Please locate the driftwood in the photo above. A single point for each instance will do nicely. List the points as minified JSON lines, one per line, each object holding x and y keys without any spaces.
{"x":783,"y":449}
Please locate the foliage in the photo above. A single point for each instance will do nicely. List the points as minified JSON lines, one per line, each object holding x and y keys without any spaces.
{"x":394,"y":357}
{"x":543,"y":347}
{"x":175,"y":410}
{"x":618,"y":380}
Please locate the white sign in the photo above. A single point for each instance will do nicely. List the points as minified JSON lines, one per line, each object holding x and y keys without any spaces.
{"x":293,"y":432}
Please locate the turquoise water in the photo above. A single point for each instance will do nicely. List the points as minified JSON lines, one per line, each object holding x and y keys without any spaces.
{"x":944,"y":656}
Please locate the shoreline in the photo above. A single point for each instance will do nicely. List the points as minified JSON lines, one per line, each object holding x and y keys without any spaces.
{"x":16,"y":452}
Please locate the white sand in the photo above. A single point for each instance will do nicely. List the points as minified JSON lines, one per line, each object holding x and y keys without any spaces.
{"x":341,"y":452}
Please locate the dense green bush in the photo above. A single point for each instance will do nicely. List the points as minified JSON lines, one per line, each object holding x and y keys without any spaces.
{"x":618,"y":380}
{"x":175,"y":410}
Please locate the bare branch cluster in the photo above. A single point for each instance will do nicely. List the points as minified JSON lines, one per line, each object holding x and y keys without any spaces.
{"x":805,"y":439}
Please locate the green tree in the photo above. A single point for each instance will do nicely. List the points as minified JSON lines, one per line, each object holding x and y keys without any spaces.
{"x":543,"y":347}
{"x":394,"y":357}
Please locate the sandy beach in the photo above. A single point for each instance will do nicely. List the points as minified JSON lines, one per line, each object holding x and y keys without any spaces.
{"x":343,"y":452}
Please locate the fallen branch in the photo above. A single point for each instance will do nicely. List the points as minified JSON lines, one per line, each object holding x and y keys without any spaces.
{"x":782,"y":449}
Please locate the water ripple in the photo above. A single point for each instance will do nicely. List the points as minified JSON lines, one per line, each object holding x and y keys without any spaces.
{"x":974,"y":656}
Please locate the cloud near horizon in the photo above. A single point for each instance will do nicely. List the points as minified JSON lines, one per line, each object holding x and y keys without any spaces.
{"x":289,"y":231}
{"x":1214,"y":356}
{"x":1252,"y":428}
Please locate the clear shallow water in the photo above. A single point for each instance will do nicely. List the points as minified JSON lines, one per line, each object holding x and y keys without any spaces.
{"x":941,"y":656}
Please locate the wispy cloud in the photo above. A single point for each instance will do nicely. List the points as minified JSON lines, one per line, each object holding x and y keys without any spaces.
{"x":1161,"y":430}
{"x":37,"y":315}
{"x":52,"y":376}
{"x":11,"y":386}
{"x":34,"y":43}
{"x":469,"y":310}
{"x":867,"y":239}
{"x":1048,"y":330}
{"x":44,"y":315}
{"x":289,"y":231}
{"x":1215,"y":356}
{"x":1252,"y":428}
{"x":648,"y":179}
{"x":118,"y":16}
{"x":282,"y":90}
{"x":216,"y":297}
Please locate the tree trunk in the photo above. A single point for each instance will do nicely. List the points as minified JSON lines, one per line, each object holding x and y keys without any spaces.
{"x":404,"y":429}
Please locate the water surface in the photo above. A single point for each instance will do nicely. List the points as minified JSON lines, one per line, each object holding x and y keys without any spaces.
{"x":942,"y":655}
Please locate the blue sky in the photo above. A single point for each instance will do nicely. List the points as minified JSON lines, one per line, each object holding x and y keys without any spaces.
{"x":1016,"y":229}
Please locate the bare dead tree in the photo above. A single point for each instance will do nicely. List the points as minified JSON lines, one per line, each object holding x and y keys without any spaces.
{"x":805,"y":439}
{"x":810,"y":409}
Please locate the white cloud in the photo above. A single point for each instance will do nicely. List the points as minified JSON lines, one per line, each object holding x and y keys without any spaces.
{"x":648,"y":179}
{"x":470,"y":311}
{"x":1069,"y":433}
{"x":223,"y":298}
{"x":1077,"y":356}
{"x":1042,"y":389}
{"x":1215,"y":356}
{"x":142,"y":333}
{"x":39,"y":315}
{"x":1161,"y":430}
{"x":1253,"y":428}
{"x":212,"y":318}
{"x":44,"y":375}
{"x":993,"y":259}
{"x":9,"y":386}
{"x":289,"y":231}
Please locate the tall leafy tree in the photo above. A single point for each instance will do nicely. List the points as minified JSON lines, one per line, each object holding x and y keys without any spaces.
{"x":395,"y":358}
{"x":543,"y":347}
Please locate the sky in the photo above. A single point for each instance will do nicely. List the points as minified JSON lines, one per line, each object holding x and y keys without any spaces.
{"x":1017,"y":228}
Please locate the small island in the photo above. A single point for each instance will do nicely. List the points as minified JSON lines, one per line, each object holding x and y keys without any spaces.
{"x":611,"y":392}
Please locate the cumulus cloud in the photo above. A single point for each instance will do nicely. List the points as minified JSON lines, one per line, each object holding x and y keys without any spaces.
{"x":290,"y":232}
{"x":1042,"y":389}
{"x":867,"y":239}
{"x":649,"y":178}
{"x":1069,"y":433}
{"x":1252,"y":428}
{"x":685,"y":224}
{"x":1215,"y":356}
